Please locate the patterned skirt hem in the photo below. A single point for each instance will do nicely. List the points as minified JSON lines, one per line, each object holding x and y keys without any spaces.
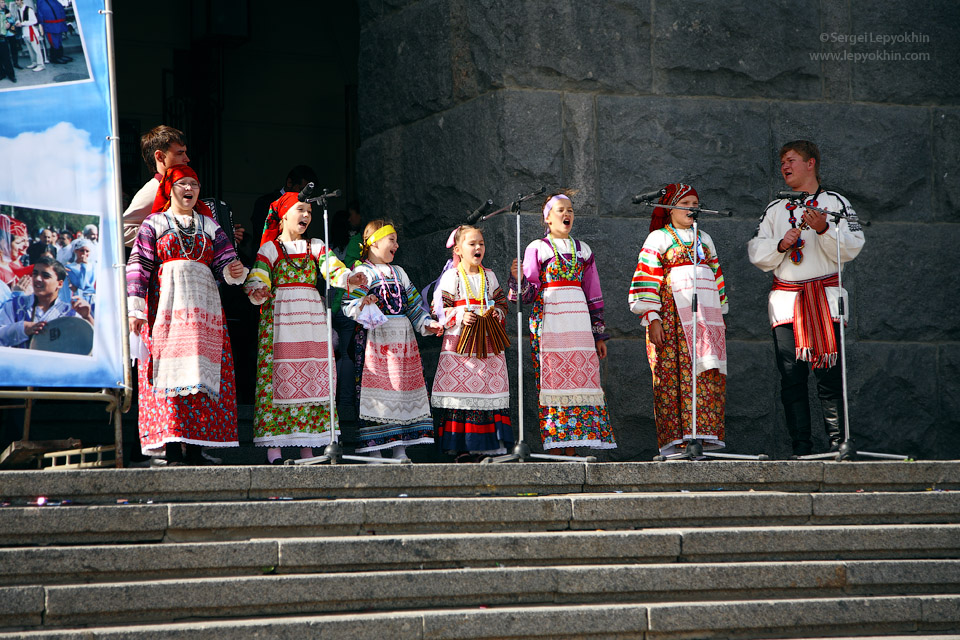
{"x":491,"y":452}
{"x":589,"y":444}
{"x":394,"y":444}
{"x":488,"y":443}
{"x":484,"y":452}
{"x":285,"y":404}
{"x":157,"y":449}
{"x":470,"y":403}
{"x":381,"y":420}
{"x":572,"y":399}
{"x":186,"y":391}
{"x":294,"y":440}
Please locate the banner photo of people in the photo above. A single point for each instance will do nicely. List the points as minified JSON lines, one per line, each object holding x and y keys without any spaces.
{"x":60,"y":304}
{"x":41,"y":43}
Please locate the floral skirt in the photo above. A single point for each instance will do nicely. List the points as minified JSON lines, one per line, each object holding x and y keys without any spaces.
{"x":560,"y":427}
{"x":193,"y":419}
{"x":287,"y":425}
{"x":672,"y":390}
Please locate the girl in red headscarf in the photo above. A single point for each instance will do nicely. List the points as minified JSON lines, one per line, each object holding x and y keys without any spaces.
{"x":187,"y":390}
{"x":660,"y":293}
{"x":14,"y":241}
{"x":293,"y":393}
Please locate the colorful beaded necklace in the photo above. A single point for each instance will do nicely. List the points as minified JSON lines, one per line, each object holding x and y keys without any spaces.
{"x":298,"y":265}
{"x":189,"y":236}
{"x":566,"y":269}
{"x":385,"y":293}
{"x":686,"y":248}
{"x":483,"y":287}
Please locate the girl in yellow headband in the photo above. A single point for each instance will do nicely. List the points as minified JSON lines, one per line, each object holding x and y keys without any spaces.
{"x":394,"y":411}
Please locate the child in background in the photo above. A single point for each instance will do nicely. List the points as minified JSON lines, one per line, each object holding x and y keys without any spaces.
{"x":293,"y":395}
{"x":471,"y":393}
{"x":567,"y":333}
{"x":394,"y":411}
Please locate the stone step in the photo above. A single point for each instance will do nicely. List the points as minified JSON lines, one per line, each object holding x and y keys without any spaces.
{"x":918,"y":615}
{"x":272,"y":595}
{"x":128,"y":563}
{"x":224,"y":483}
{"x":30,"y":526}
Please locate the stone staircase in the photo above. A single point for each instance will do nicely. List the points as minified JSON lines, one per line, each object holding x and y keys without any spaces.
{"x":563,"y":550}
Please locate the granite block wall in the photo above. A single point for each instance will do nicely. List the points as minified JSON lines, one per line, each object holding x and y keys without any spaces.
{"x":464,"y":100}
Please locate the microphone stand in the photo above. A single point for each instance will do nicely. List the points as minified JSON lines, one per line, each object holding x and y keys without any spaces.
{"x":847,"y":450}
{"x":694,"y":449}
{"x":521,"y":452}
{"x":333,"y":452}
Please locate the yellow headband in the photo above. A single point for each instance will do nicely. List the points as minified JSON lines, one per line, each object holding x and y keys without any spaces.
{"x":380,"y":234}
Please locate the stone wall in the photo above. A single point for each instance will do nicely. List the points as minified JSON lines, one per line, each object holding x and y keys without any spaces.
{"x":464,"y":100}
{"x":264,"y":132}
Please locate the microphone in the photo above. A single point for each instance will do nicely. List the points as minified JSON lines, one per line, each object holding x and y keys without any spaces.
{"x":792,"y":195}
{"x":306,"y":193}
{"x":477,"y":213}
{"x":725,"y":213}
{"x":648,"y":196}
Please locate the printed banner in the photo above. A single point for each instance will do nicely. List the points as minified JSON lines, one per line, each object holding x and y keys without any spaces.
{"x":60,"y":305}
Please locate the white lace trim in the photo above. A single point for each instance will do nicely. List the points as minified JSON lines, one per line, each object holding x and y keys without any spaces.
{"x":136,"y":307}
{"x":188,"y":391}
{"x":381,"y":420}
{"x":484,"y":403}
{"x":230,"y":279}
{"x":301,"y":403}
{"x":295,"y":440}
{"x":158,"y":449}
{"x":589,"y":444}
{"x":572,"y":399}
{"x":395,"y":444}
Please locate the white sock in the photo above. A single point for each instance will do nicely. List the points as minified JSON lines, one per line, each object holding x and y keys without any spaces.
{"x":306,"y":452}
{"x":273,"y":453}
{"x":400,"y":452}
{"x":374,"y":454}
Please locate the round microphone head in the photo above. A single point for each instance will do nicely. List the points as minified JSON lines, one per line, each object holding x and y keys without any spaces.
{"x":305,"y":193}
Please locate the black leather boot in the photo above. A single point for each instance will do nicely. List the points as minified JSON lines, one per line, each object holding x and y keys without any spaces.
{"x":173,"y":453}
{"x":831,"y":422}
{"x":798,"y":425}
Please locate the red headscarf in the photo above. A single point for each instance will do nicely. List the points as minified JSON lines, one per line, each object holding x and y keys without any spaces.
{"x":278,"y":209}
{"x":162,"y":201}
{"x":18,"y":228}
{"x":674,"y":194}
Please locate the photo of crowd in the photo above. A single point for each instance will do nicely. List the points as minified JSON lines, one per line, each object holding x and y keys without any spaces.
{"x":40,"y":44}
{"x":48,"y":263}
